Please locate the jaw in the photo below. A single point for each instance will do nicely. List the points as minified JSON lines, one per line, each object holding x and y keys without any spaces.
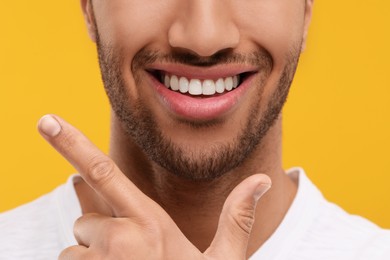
{"x":194,"y":136}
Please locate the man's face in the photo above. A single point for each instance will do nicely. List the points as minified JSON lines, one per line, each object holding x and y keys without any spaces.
{"x":198,"y":83}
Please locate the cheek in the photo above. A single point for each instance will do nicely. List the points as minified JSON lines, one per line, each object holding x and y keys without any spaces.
{"x":130,"y":25}
{"x":275,"y":25}
{"x":127,"y":26}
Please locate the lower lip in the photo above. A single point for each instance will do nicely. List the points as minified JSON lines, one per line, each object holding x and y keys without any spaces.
{"x":200,"y":108}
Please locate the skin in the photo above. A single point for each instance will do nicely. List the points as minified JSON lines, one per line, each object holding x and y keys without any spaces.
{"x":150,"y":200}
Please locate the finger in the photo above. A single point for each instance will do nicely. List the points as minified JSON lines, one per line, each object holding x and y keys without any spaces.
{"x":97,"y":169}
{"x":98,"y":230}
{"x":87,"y":228}
{"x":103,"y":234}
{"x":75,"y":252}
{"x":237,"y":218}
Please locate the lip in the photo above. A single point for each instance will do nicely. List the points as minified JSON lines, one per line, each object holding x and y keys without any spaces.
{"x":201,"y":108}
{"x":214,"y":72}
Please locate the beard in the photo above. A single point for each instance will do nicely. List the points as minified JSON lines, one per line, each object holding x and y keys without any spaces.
{"x":193,"y":163}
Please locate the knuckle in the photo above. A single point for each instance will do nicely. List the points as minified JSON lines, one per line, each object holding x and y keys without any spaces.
{"x":155,"y":236}
{"x":79,"y":221}
{"x":76,"y":227}
{"x":68,"y":253}
{"x":116,"y":233}
{"x":100,"y":169}
{"x":153,"y":232}
{"x":83,"y":219}
{"x":156,"y":231}
{"x":124,"y":235}
{"x":65,"y":254}
{"x":243,"y":218}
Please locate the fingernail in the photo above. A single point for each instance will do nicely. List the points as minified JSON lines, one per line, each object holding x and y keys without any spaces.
{"x":49,"y":126}
{"x":260,"y":190}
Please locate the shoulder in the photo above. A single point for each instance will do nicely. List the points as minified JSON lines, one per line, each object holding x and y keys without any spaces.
{"x":36,"y":229}
{"x":315,"y":228}
{"x":25,"y":229}
{"x":336,"y":234}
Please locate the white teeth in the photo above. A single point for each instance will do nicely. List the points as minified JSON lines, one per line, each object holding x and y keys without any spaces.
{"x":183,"y":85}
{"x":200,"y":87}
{"x":220,"y":86}
{"x":166,"y":81}
{"x":195,"y":87}
{"x":235,"y":81}
{"x":229,"y":83}
{"x":208,"y":87}
{"x":174,"y":83}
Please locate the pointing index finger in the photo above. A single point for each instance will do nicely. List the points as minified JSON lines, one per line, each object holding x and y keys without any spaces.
{"x":96,"y":168}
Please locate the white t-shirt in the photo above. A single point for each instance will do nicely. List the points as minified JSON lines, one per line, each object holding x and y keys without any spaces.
{"x":313,"y":228}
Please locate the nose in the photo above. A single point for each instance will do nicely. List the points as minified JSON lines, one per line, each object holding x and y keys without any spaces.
{"x":204,"y":27}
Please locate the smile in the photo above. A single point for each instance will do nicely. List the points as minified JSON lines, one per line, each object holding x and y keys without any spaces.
{"x":198,"y":87}
{"x":203,"y":94}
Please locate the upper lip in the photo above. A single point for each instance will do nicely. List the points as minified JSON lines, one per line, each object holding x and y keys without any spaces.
{"x":212,"y":72}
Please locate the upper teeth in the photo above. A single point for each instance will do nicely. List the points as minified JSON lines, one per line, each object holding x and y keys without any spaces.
{"x":200,"y":87}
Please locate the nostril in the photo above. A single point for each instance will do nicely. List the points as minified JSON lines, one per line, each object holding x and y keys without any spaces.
{"x":203,"y":33}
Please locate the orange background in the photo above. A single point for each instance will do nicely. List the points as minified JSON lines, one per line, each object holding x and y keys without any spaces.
{"x":336,"y":122}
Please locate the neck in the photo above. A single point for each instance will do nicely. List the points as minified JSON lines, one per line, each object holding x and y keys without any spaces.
{"x":195,"y":206}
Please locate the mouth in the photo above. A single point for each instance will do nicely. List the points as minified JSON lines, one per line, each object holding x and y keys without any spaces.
{"x":200,"y":94}
{"x":200,"y":87}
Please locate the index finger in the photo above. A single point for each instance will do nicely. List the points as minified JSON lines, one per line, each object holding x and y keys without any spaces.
{"x":96,"y":168}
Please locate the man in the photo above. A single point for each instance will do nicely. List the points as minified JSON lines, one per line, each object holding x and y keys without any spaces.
{"x":196,"y":89}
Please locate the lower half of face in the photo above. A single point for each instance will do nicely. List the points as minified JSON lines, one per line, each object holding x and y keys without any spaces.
{"x":192,"y":134}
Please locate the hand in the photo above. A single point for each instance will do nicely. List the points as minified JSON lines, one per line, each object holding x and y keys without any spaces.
{"x":140,"y":228}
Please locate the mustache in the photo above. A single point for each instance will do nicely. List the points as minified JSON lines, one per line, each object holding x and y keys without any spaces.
{"x":145,"y":57}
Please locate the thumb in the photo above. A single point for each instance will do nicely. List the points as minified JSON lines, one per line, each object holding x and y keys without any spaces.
{"x":237,"y":218}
